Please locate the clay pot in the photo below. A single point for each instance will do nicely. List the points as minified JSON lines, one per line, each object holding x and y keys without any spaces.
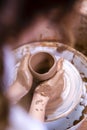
{"x":43,"y":65}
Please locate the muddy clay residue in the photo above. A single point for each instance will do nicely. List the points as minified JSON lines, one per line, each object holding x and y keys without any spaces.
{"x":61,"y":48}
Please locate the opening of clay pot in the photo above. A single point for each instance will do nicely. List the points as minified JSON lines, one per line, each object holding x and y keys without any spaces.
{"x":42,"y":65}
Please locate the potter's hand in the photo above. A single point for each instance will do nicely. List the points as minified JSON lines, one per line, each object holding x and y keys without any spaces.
{"x":23,"y":81}
{"x":24,"y":76}
{"x":53,"y":87}
{"x":46,"y":92}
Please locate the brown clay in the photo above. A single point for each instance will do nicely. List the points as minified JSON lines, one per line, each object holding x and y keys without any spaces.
{"x":42,"y":65}
{"x":53,"y":88}
{"x":23,"y":82}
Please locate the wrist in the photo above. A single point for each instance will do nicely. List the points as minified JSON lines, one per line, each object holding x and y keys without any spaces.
{"x":40,"y":98}
{"x":15,"y":92}
{"x":38,"y":106}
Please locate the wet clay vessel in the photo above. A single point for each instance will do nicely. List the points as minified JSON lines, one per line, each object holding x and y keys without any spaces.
{"x":43,"y":65}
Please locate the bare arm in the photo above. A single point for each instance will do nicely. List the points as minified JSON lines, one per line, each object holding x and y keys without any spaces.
{"x":38,"y":106}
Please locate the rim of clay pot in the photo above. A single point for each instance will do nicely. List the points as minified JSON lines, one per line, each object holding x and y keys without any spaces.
{"x":52,"y":68}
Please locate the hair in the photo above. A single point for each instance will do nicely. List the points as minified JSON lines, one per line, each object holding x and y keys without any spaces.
{"x":16,"y":14}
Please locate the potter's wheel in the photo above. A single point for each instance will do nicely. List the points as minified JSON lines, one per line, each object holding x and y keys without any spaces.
{"x":70,"y":98}
{"x":71,"y":94}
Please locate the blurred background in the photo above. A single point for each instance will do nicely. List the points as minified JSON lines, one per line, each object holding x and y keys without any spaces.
{"x":29,"y":21}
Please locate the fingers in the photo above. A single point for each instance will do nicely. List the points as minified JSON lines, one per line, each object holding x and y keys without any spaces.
{"x":54,"y":80}
{"x":23,"y":82}
{"x":60,"y":64}
{"x":56,"y":83}
{"x":60,"y":78}
{"x":24,"y":62}
{"x":24,"y":75}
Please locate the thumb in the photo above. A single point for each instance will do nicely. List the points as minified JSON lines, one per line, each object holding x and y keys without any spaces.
{"x":60,"y":64}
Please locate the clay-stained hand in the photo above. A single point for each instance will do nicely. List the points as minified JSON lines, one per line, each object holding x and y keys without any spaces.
{"x":24,"y":76}
{"x":23,"y":81}
{"x":53,"y":87}
{"x":46,"y":92}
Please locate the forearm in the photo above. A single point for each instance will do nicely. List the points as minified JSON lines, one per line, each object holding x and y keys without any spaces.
{"x":38,"y":106}
{"x":16,"y":92}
